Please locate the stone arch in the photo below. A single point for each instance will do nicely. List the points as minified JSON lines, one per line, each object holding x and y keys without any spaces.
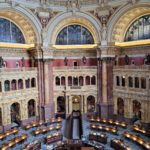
{"x":31,"y":108}
{"x":15,"y":113}
{"x":64,"y":19}
{"x":91,"y":103}
{"x":136,"y":106}
{"x":124,"y":17}
{"x":61,"y":104}
{"x":120,"y":106}
{"x":25,"y":20}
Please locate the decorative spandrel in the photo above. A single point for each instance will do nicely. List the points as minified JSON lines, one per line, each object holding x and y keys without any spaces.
{"x":73,"y":35}
{"x":9,"y":32}
{"x":139,"y":29}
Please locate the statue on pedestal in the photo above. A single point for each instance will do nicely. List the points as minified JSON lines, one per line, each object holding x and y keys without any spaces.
{"x":1,"y":62}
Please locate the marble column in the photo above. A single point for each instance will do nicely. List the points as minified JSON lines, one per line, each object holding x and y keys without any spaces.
{"x":48,"y":89}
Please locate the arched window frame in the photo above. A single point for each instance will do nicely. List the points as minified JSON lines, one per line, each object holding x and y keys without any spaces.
{"x":74,"y":34}
{"x":139,"y":29}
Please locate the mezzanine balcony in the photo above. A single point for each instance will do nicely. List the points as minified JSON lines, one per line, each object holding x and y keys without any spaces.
{"x":18,"y":82}
{"x":132,"y":67}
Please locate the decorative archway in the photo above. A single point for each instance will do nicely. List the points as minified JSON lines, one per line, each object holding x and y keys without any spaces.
{"x":31,"y":108}
{"x":62,"y":20}
{"x":136,"y":109}
{"x":124,"y":17}
{"x":90,"y":103}
{"x":13,"y":85}
{"x":61,"y":104}
{"x":120,"y":106}
{"x":7,"y":85}
{"x":15,"y":113}
{"x":25,"y":20}
{"x":76,"y":103}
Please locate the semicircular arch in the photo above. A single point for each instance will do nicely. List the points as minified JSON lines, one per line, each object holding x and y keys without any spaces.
{"x":62,"y":20}
{"x":121,"y":21}
{"x":25,"y":21}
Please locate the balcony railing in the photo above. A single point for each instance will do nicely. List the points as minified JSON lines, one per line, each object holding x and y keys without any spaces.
{"x":146,"y":67}
{"x":75,"y":67}
{"x":17,"y":69}
{"x":75,"y":87}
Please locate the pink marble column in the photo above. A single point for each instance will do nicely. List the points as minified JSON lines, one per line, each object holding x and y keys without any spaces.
{"x":107,"y":84}
{"x":48,"y":89}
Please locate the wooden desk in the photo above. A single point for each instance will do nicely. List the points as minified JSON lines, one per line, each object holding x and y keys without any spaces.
{"x":119,"y":145}
{"x":87,"y":148}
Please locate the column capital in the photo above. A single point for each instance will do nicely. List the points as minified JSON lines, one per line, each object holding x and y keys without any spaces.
{"x":108,"y":51}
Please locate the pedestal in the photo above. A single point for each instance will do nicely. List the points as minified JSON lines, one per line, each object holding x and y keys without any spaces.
{"x":106,"y":111}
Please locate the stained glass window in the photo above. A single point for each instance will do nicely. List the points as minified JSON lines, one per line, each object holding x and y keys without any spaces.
{"x":9,"y":32}
{"x":74,"y":34}
{"x":139,"y":29}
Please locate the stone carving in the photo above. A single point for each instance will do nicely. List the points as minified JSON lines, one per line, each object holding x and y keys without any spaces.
{"x":73,"y":5}
{"x":104,"y":33}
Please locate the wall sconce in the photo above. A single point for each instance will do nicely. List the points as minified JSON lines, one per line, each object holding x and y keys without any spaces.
{"x":84,"y":59}
{"x":65,"y":61}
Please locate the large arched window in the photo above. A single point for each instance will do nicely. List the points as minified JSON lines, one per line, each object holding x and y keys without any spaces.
{"x":74,"y":34}
{"x":139,"y":29}
{"x":9,"y":32}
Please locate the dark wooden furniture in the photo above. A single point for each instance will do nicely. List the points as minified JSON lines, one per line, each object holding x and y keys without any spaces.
{"x":118,"y":144}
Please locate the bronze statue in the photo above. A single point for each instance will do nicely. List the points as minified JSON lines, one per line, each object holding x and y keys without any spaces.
{"x":1,"y":62}
{"x":126,"y":59}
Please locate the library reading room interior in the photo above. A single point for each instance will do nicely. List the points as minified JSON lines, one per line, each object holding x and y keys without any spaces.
{"x":74,"y":74}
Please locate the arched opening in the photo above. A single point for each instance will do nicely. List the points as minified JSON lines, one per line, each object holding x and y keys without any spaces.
{"x":120,"y":106}
{"x":9,"y":32}
{"x":33,"y":82}
{"x":93,"y":80}
{"x":63,"y":81}
{"x":15,"y":113}
{"x":81,"y":81}
{"x":1,"y":123}
{"x":90,"y":103}
{"x":69,"y":81}
{"x":87,"y":79}
{"x":130,"y":81}
{"x":136,"y":109}
{"x":139,"y":29}
{"x":75,"y":81}
{"x":13,"y":85}
{"x":7,"y":85}
{"x":61,"y":105}
{"x":123,"y":80}
{"x":57,"y":81}
{"x":117,"y":81}
{"x":143,"y":83}
{"x":76,"y":103}
{"x":136,"y":82}
{"x":31,"y":108}
{"x":27,"y":83}
{"x":74,"y":35}
{"x":20,"y":84}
